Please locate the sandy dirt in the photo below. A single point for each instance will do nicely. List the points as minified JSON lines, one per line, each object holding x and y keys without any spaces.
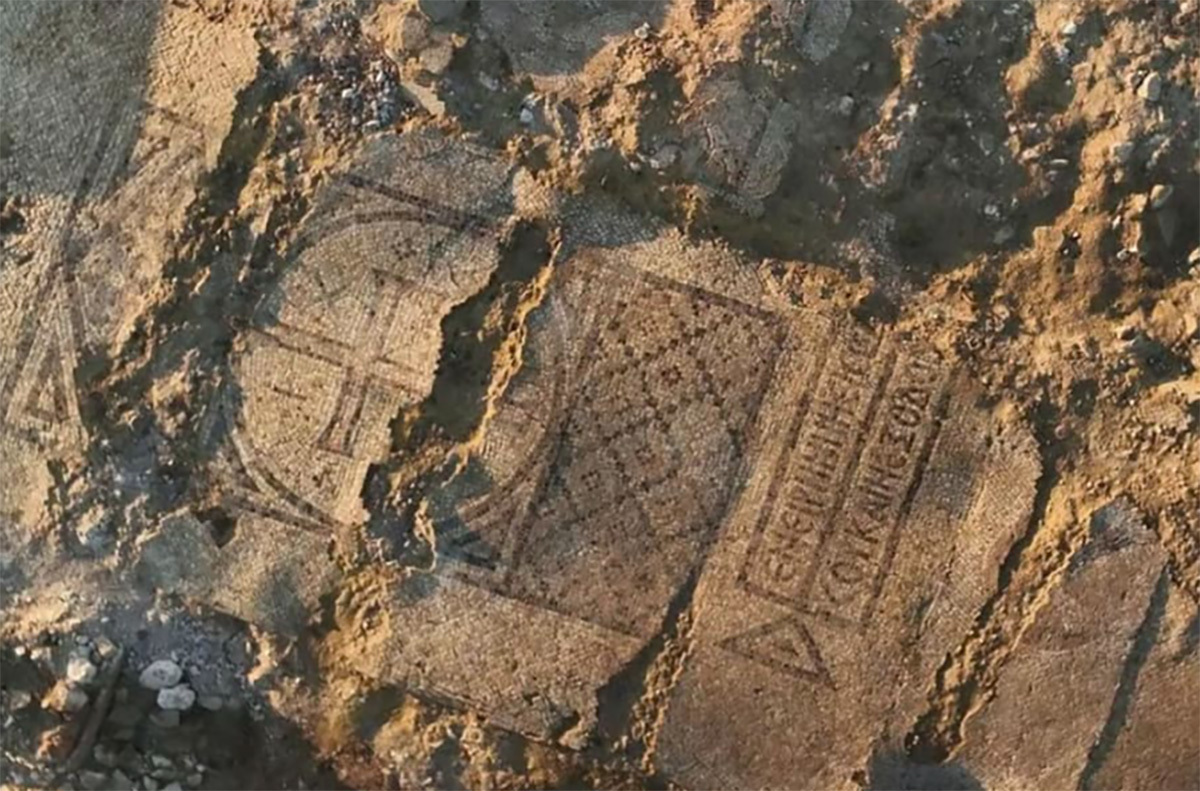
{"x":628,"y":394}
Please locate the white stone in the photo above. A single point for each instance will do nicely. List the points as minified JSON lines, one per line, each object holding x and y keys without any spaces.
{"x":1160,"y":194}
{"x":664,"y":157}
{"x":80,"y":670}
{"x":105,"y":647}
{"x":178,"y":698}
{"x":1151,"y":87}
{"x":160,"y":674}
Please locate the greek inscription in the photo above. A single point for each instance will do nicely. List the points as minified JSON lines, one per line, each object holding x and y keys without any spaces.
{"x":854,"y":560}
{"x":831,"y":517}
{"x":810,"y":491}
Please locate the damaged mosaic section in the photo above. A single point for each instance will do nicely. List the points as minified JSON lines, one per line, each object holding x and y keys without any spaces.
{"x":822,"y":495}
{"x":349,"y":338}
{"x":809,"y":493}
{"x":101,"y":162}
{"x":616,"y":394}
{"x":815,"y":494}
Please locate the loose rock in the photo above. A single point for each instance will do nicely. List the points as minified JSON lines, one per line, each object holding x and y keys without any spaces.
{"x":1151,"y":87}
{"x":1160,"y":195}
{"x":436,"y":59}
{"x":105,"y":647}
{"x":427,"y":98}
{"x":664,"y":157}
{"x":65,"y":698}
{"x":412,"y":33}
{"x":178,"y":698}
{"x":80,"y":669}
{"x":160,"y":674}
